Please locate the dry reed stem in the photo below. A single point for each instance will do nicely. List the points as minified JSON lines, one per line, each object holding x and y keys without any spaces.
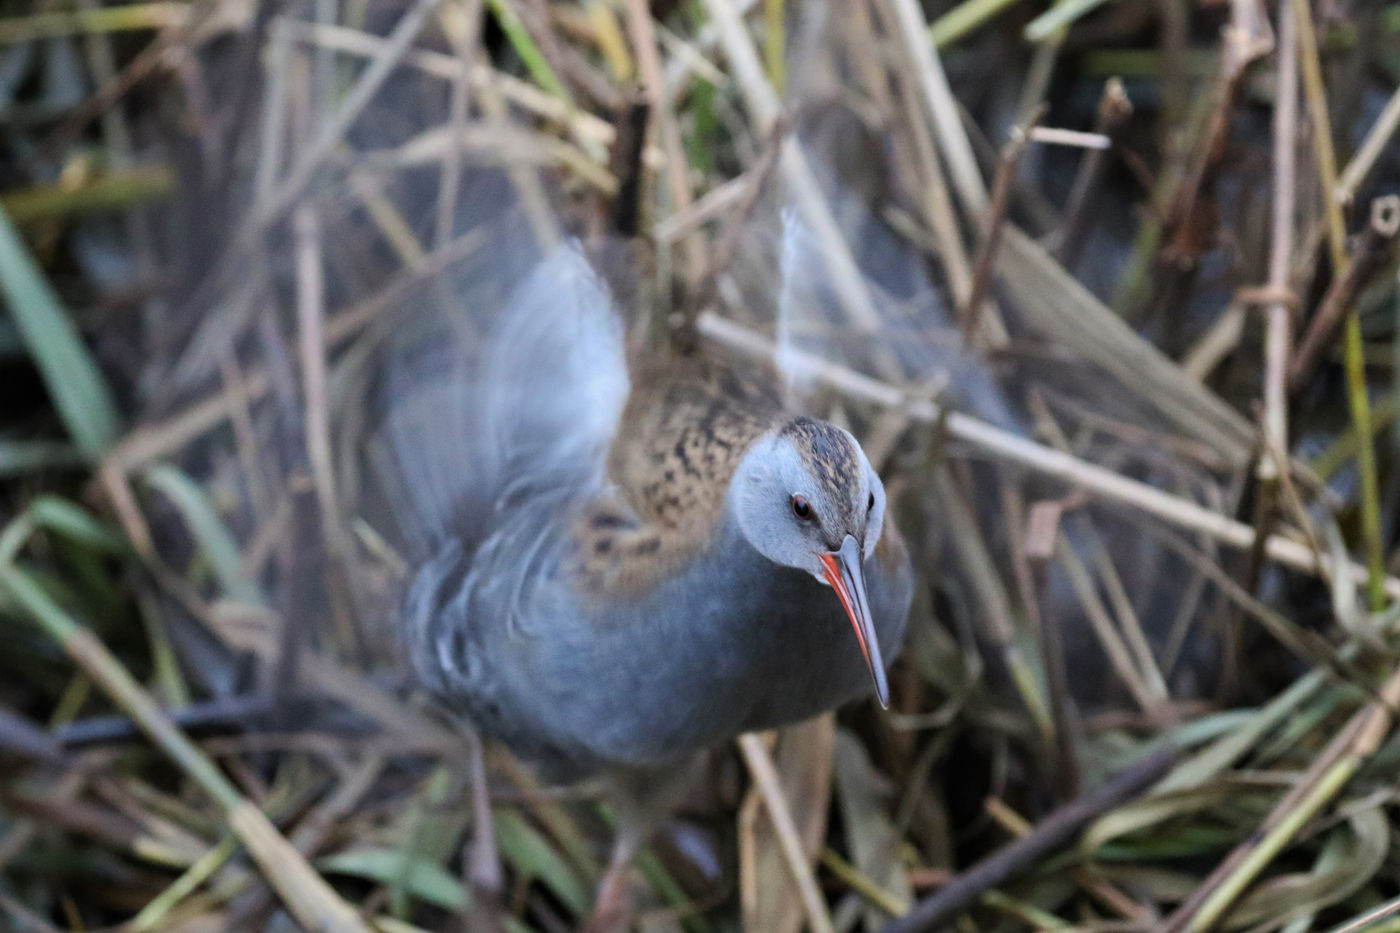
{"x":644,"y":43}
{"x":992,"y":224}
{"x":1112,"y":116}
{"x":284,"y":196}
{"x":1278,"y":335}
{"x":1059,"y":307}
{"x":937,"y":206}
{"x":943,"y":107}
{"x":1092,"y":140}
{"x":311,"y":343}
{"x":1369,"y":919}
{"x":976,"y":561}
{"x":461,"y":23}
{"x":272,"y":136}
{"x":586,"y":129}
{"x":1377,"y":138}
{"x":1006,"y":446}
{"x":1145,"y":692}
{"x":765,"y":775}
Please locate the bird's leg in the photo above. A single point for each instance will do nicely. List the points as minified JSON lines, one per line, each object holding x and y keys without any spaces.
{"x":484,"y":876}
{"x":612,"y":911}
{"x":643,"y":800}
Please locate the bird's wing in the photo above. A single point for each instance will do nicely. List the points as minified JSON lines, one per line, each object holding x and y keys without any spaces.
{"x":498,"y":410}
{"x":555,"y":377}
{"x":846,"y":287}
{"x":494,"y":397}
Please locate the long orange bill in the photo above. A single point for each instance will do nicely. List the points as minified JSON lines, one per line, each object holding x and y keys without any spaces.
{"x":844,"y":573}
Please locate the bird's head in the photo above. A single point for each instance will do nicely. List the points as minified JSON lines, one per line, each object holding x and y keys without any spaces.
{"x":805,"y":496}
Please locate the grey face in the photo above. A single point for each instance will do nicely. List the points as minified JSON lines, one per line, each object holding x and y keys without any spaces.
{"x":806,"y":497}
{"x":799,"y":492}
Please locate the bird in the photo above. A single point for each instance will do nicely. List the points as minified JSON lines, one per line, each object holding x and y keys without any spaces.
{"x":629,"y":562}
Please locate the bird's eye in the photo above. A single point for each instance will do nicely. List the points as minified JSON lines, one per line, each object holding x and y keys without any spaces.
{"x":802,"y":508}
{"x":870,"y":503}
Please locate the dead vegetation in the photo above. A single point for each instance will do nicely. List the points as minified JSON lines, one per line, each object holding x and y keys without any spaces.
{"x":1109,"y":291}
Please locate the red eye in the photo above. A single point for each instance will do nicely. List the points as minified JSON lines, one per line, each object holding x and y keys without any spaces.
{"x":801,"y":508}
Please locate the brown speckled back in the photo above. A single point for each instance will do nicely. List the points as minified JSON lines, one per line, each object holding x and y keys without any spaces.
{"x":686,"y":426}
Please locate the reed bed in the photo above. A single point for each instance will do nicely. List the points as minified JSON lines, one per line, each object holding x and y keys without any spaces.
{"x":1109,"y":291}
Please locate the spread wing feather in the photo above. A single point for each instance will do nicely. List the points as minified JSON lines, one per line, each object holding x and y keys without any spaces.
{"x":497,"y":415}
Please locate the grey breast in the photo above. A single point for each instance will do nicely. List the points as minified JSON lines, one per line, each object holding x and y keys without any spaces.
{"x":731,"y":644}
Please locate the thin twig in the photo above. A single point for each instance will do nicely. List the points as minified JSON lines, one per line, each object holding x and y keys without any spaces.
{"x":1112,"y":117}
{"x":1371,"y":148}
{"x":211,"y":715}
{"x":643,"y":32}
{"x":1389,"y":909}
{"x":1189,"y":217}
{"x":1052,"y":832}
{"x":1372,"y":254}
{"x":484,"y":873}
{"x":992,"y":223}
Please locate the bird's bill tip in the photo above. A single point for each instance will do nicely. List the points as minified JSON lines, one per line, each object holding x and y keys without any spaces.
{"x":843,"y":571}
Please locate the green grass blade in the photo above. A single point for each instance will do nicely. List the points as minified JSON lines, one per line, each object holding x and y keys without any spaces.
{"x":76,"y":386}
{"x":20,"y":457}
{"x":526,"y":849}
{"x":528,"y":51}
{"x":123,"y":18}
{"x":215,"y":541}
{"x":1059,"y":16}
{"x":424,"y":879}
{"x":964,"y":18}
{"x":65,"y":518}
{"x":113,"y":191}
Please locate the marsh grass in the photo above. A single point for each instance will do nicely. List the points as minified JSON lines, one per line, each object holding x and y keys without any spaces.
{"x":1167,"y":560}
